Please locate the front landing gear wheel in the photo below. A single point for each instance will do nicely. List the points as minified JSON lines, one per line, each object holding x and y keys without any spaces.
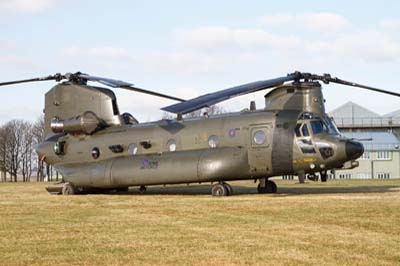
{"x":228,"y":188}
{"x":324,"y":176}
{"x":219,"y":190}
{"x":269,"y":188}
{"x":68,"y":189}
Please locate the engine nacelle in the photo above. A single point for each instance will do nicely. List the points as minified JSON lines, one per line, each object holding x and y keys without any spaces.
{"x":87,"y":123}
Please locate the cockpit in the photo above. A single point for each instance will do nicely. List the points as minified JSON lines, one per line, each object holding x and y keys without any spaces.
{"x":309,"y":123}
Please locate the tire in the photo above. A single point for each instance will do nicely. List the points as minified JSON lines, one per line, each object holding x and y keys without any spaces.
{"x":219,"y":190}
{"x":68,"y":189}
{"x":261,"y":190}
{"x":270,"y":188}
{"x":228,"y":188}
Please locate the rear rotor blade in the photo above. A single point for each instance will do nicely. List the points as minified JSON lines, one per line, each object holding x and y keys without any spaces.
{"x":105,"y":81}
{"x":132,"y":88}
{"x":125,"y":85}
{"x":56,"y":77}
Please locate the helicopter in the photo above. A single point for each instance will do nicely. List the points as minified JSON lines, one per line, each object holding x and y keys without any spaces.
{"x":93,"y":146}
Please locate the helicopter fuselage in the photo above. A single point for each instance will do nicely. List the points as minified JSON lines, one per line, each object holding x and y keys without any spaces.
{"x":236,"y":146}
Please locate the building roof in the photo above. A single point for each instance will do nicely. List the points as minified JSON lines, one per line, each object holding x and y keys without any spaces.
{"x":375,"y":140}
{"x":352,"y":110}
{"x":353,"y":115}
{"x":393,"y":114}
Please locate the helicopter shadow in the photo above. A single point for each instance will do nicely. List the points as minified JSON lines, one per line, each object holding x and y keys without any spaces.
{"x":294,"y":190}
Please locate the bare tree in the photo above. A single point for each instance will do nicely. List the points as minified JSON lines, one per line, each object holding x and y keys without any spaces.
{"x":39,"y":137}
{"x":14,"y":133}
{"x":3,"y":169}
{"x":26,"y":152}
{"x":212,"y":110}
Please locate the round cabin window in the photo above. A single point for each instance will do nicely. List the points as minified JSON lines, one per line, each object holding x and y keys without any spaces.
{"x":171,"y":145}
{"x":132,"y":149}
{"x":95,"y":153}
{"x":259,"y":137}
{"x":213,"y":141}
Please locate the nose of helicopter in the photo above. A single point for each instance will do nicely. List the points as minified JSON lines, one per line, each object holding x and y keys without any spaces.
{"x":354,"y":149}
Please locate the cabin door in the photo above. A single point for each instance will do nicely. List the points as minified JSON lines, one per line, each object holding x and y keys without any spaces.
{"x":260,"y":149}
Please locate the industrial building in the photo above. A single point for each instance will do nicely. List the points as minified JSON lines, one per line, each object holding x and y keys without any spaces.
{"x":380,"y":137}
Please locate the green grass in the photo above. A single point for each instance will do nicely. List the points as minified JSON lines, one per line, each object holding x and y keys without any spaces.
{"x":337,"y":223}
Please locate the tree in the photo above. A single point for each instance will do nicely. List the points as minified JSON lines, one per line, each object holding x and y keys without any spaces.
{"x":3,"y":169}
{"x":26,"y":152}
{"x":212,"y":110}
{"x":39,"y":137}
{"x":13,"y":131}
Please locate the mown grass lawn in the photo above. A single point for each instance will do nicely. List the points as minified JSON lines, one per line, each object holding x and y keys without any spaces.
{"x":337,"y":223}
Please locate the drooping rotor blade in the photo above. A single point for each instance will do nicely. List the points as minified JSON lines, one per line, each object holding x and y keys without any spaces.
{"x":132,"y":88}
{"x":219,"y":96}
{"x":56,"y":77}
{"x":326,"y":78}
{"x":125,"y":85}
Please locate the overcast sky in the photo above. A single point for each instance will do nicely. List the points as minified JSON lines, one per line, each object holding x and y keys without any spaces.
{"x":188,"y":48}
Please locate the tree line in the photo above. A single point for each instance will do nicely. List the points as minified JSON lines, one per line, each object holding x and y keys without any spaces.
{"x":18,"y":159}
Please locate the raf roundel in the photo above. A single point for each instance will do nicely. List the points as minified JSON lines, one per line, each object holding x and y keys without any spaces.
{"x":232,"y":133}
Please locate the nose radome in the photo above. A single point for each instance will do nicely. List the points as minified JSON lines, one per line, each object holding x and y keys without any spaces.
{"x":354,"y":149}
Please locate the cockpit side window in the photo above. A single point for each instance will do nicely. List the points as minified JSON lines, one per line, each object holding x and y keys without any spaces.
{"x":304,"y":130}
{"x":297,"y":130}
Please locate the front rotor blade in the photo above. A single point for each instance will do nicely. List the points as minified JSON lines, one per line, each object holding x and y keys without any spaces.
{"x":326,"y":78}
{"x":353,"y":84}
{"x":219,"y":96}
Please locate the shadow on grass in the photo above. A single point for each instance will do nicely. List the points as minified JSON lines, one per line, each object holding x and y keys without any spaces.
{"x":295,"y":189}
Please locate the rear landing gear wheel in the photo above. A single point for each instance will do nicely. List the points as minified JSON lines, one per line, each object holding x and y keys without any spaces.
{"x":219,"y":190}
{"x":269,"y":188}
{"x":122,"y":189}
{"x":142,"y":189}
{"x":228,"y":188}
{"x":68,"y":189}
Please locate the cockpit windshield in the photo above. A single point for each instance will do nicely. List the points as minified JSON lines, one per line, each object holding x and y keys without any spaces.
{"x":318,"y":124}
{"x":318,"y":127}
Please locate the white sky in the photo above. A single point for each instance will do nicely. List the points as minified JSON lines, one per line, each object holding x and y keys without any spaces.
{"x":188,"y":48}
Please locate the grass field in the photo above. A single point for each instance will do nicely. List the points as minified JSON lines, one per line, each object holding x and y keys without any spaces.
{"x":337,"y":223}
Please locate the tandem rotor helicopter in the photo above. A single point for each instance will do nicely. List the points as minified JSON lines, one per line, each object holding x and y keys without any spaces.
{"x":94,"y":146}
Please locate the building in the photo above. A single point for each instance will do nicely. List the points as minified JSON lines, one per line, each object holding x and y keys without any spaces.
{"x":380,"y":137}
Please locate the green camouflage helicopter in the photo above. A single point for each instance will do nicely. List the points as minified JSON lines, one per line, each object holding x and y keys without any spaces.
{"x":93,"y":146}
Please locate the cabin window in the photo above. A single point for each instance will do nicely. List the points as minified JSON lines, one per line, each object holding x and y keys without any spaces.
{"x":132,"y":149}
{"x":171,"y":145}
{"x":259,"y":137}
{"x":213,"y":141}
{"x":95,"y":153}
